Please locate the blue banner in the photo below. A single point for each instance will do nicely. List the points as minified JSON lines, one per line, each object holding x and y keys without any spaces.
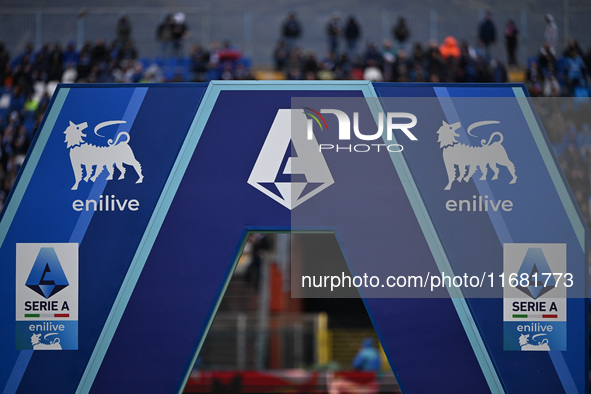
{"x":446,"y":200}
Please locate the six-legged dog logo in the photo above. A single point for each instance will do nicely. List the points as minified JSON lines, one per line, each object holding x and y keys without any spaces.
{"x":93,"y":159}
{"x":468,"y":158}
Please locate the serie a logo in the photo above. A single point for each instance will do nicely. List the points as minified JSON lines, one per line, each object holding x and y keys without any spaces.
{"x":290,"y":168}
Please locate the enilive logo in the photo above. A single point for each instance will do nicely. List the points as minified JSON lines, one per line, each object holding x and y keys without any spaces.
{"x":290,"y":168}
{"x":89,"y":161}
{"x":90,"y":157}
{"x":469,"y":158}
{"x":402,"y":121}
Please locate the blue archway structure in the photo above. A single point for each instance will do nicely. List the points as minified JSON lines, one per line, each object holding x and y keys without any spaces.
{"x":147,"y":258}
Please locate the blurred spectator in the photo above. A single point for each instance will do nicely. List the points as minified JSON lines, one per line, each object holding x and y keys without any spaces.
{"x":449,"y":48}
{"x":17,"y":102}
{"x":367,"y":358}
{"x":21,"y":142}
{"x":587,"y":59}
{"x":511,"y":39}
{"x":326,"y":68}
{"x":551,"y":32}
{"x":229,"y":53}
{"x":84,"y":65}
{"x":418,"y":54}
{"x":404,"y":70}
{"x":433,"y":63}
{"x":70,"y":55}
{"x":487,"y":35}
{"x":352,"y":35}
{"x":334,"y":31}
{"x":199,"y":62}
{"x":128,"y":52}
{"x":550,"y":84}
{"x":294,"y":64}
{"x":22,"y":74}
{"x":372,"y":55}
{"x":388,"y":59}
{"x":4,"y":62}
{"x":499,"y":72}
{"x":164,"y":35}
{"x":280,"y":55}
{"x":242,"y":73}
{"x":153,"y":74}
{"x":137,"y":74}
{"x":401,"y":32}
{"x":100,"y":53}
{"x":124,"y":72}
{"x":41,"y":64}
{"x":572,"y":45}
{"x":123,"y":30}
{"x":291,"y":30}
{"x":70,"y":74}
{"x":576,"y":71}
{"x":28,"y":52}
{"x":547,"y":57}
{"x":180,"y":31}
{"x":114,"y":51}
{"x":56,"y":65}
{"x":310,"y":66}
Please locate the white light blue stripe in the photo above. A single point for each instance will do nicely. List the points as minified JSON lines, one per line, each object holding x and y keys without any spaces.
{"x":557,"y":357}
{"x":24,"y":356}
{"x":432,"y":239}
{"x":145,"y":246}
{"x":34,"y":157}
{"x":557,"y":179}
{"x":129,"y":116}
{"x":501,"y":228}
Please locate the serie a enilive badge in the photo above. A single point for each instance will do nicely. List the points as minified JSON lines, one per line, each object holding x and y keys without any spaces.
{"x":47,"y":296}
{"x":535,"y":297}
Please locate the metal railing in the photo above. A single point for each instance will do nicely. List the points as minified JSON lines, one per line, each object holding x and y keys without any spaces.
{"x":232,"y":342}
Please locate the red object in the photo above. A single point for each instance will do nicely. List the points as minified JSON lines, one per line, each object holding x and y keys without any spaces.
{"x":229,"y":55}
{"x":449,"y":48}
{"x":293,"y":381}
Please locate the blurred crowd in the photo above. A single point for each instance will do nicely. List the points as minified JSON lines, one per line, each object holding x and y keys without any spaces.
{"x":28,"y":79}
{"x":392,"y":59}
{"x":568,"y":125}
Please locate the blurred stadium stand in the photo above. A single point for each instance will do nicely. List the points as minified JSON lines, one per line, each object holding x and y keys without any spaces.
{"x":256,"y":29}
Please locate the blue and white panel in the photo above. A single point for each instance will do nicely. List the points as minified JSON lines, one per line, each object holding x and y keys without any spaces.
{"x":142,"y":195}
